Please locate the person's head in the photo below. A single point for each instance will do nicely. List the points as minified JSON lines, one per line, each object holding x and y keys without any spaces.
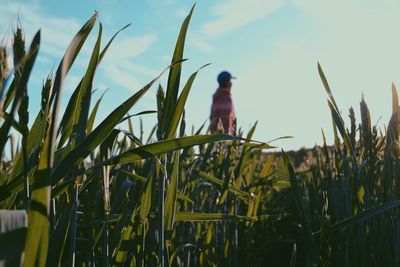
{"x":224,"y":79}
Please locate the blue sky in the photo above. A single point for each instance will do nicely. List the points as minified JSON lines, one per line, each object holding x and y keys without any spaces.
{"x":272,"y":46}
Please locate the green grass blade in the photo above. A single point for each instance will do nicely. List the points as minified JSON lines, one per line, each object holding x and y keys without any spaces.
{"x":221,"y":183}
{"x":267,"y":166}
{"x":145,"y":203}
{"x":70,"y":55}
{"x":326,"y":86}
{"x":166,"y":146}
{"x":335,"y":135}
{"x":208,"y":217}
{"x":184,"y":198}
{"x":174,"y":76}
{"x":18,"y":127}
{"x":395,"y":113}
{"x":343,"y":132}
{"x":251,"y":132}
{"x":6,"y":101}
{"x":37,"y":241}
{"x":304,"y":217}
{"x":58,"y":239}
{"x":128,"y":118}
{"x":178,"y":109}
{"x":93,"y":114}
{"x":133,"y":175}
{"x":170,"y":200}
{"x":81,"y":109}
{"x":65,"y":128}
{"x":362,"y":216}
{"x":105,"y":49}
{"x":130,"y":123}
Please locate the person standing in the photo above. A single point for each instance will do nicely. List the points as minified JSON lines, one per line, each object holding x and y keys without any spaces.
{"x":222,"y":110}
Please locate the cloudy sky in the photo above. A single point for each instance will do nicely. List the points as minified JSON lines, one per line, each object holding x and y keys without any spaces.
{"x":272,"y":46}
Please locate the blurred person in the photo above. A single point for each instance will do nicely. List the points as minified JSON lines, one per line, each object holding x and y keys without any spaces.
{"x":222,"y":110}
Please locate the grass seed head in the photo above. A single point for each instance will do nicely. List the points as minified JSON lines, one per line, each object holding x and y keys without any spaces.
{"x":4,"y":69}
{"x":18,"y":46}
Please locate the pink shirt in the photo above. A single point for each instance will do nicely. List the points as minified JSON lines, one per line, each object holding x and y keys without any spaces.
{"x":222,"y":110}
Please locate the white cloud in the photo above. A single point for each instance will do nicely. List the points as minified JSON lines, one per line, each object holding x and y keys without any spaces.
{"x":181,"y":12}
{"x":130,"y":47}
{"x":121,"y":77}
{"x":134,"y":68}
{"x":118,"y":66}
{"x":201,"y":44}
{"x":56,"y":33}
{"x":236,"y":13}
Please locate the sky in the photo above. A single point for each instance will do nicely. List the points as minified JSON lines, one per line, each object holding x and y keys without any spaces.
{"x":271,"y":46}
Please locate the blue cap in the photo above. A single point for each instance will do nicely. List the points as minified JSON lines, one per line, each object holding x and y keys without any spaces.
{"x":224,"y":77}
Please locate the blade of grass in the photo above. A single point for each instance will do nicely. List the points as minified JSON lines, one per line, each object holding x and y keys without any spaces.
{"x":208,"y":217}
{"x":311,"y":247}
{"x":93,"y":114}
{"x":162,"y":147}
{"x":221,"y":183}
{"x":178,"y":109}
{"x":339,"y":123}
{"x":37,"y":241}
{"x":326,"y":86}
{"x":170,"y":200}
{"x":395,"y":112}
{"x":174,"y":76}
{"x":362,"y":216}
{"x":81,"y":109}
{"x":70,"y":55}
{"x":7,"y":99}
{"x":58,"y":239}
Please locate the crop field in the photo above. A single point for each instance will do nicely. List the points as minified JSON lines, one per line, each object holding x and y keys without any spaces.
{"x":73,"y":193}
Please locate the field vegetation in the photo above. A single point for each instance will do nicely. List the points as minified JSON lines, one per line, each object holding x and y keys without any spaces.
{"x":73,"y":193}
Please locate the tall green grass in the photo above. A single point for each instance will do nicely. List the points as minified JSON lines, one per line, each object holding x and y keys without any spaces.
{"x":102,"y":195}
{"x":347,"y":201}
{"x":99,"y":195}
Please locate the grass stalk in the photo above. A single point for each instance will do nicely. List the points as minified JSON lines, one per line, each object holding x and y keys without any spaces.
{"x":161,"y":215}
{"x":72,"y":246}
